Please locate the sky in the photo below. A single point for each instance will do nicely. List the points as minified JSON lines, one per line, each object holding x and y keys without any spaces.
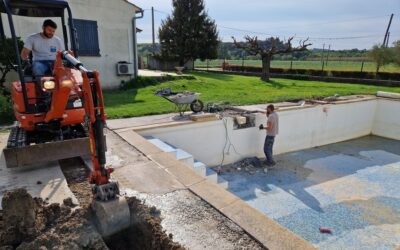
{"x":342,"y":24}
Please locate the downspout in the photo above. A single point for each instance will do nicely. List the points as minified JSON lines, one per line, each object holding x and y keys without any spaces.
{"x":135,"y":52}
{"x":2,"y":34}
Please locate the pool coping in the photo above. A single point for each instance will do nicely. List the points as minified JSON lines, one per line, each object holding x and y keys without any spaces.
{"x":261,"y":227}
{"x":361,"y":98}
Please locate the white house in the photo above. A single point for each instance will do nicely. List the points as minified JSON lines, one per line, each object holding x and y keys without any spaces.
{"x":106,"y":35}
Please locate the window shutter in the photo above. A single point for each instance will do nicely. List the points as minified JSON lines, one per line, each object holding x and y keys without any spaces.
{"x":88,"y":38}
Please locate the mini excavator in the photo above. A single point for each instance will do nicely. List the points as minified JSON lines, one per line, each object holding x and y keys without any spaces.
{"x":62,"y":115}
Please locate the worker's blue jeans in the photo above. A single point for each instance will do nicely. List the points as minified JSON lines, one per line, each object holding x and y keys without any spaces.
{"x":268,"y":145}
{"x":42,"y":68}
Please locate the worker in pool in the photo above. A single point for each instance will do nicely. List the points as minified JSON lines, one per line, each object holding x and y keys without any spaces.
{"x":272,"y":131}
{"x":44,"y":47}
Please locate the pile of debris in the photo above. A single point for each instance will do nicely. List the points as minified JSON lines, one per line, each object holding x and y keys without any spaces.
{"x":250,"y":165}
{"x":30,"y":223}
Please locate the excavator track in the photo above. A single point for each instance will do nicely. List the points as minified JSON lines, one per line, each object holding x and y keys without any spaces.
{"x":21,"y":151}
{"x":18,"y":138}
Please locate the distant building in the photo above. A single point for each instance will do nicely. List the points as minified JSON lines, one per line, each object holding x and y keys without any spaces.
{"x":105,"y":35}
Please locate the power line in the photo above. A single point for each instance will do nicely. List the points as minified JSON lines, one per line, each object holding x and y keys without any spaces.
{"x":243,"y":30}
{"x":335,"y":21}
{"x":301,"y":37}
{"x":311,"y":24}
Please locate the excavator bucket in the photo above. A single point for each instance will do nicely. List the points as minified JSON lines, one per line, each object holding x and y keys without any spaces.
{"x":37,"y":154}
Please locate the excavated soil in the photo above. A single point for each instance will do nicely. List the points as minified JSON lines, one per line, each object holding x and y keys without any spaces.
{"x":145,"y":232}
{"x":31,"y":223}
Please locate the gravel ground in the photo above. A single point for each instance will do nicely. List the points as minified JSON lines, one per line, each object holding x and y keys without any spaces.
{"x":195,"y":224}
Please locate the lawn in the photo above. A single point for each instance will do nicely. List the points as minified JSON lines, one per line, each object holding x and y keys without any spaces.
{"x":232,"y":89}
{"x":332,"y":65}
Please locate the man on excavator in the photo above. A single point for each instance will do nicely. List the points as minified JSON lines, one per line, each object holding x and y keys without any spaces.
{"x":44,"y":47}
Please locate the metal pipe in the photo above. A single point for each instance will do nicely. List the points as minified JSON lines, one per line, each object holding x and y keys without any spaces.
{"x":135,"y":53}
{"x":18,"y":56}
{"x":75,"y":62}
{"x":72,"y":33}
{"x":65,"y":34}
{"x":2,"y":34}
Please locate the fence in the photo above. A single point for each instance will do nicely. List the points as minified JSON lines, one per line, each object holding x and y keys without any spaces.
{"x":334,"y":65}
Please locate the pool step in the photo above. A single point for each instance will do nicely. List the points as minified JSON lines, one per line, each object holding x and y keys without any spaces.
{"x":210,"y":174}
{"x":189,"y":161}
{"x":163,"y":146}
{"x":184,"y":157}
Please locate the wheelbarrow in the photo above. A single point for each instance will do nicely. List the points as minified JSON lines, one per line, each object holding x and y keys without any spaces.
{"x":182,"y":100}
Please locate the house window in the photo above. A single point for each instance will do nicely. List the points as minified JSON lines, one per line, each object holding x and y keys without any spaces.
{"x":88,"y":37}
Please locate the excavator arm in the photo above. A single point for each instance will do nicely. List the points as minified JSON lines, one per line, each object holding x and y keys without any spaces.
{"x":93,"y":103}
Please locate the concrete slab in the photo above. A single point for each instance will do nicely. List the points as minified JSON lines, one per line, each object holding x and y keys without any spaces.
{"x":147,"y":178}
{"x":46,"y":181}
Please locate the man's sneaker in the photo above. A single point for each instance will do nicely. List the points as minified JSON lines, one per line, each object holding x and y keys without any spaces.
{"x":270,"y":165}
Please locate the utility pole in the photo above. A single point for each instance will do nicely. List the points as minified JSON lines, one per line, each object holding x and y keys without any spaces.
{"x":322,"y":57}
{"x":152,"y":24}
{"x":327,"y":56}
{"x":322,"y":54}
{"x":387,"y":40}
{"x":387,"y":31}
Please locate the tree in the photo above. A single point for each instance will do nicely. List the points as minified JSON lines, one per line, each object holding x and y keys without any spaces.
{"x":7,"y":60}
{"x":381,"y":55}
{"x":396,"y":52}
{"x":189,"y":33}
{"x":268,"y":48}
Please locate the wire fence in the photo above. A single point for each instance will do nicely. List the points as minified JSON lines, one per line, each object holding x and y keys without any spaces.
{"x":334,"y":65}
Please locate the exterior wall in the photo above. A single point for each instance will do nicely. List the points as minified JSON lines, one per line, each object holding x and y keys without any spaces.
{"x":114,"y":20}
{"x":387,"y":119}
{"x":299,"y":129}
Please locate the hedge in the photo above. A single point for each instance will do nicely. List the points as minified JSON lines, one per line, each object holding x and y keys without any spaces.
{"x":312,"y":72}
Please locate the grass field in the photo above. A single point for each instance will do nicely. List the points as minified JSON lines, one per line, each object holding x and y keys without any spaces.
{"x":332,"y":65}
{"x":236,"y":90}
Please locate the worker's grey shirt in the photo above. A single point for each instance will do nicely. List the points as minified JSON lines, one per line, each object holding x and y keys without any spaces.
{"x":43,"y":49}
{"x":273,"y":119}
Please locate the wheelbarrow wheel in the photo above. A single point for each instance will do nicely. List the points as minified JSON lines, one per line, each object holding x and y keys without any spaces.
{"x":197,"y":106}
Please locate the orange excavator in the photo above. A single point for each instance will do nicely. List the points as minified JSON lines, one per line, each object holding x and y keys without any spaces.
{"x":62,"y":115}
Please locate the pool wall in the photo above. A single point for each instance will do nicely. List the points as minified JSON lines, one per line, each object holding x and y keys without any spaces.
{"x":300,"y":128}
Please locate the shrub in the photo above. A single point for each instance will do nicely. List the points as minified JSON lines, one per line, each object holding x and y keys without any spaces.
{"x":313,"y":72}
{"x":6,"y":111}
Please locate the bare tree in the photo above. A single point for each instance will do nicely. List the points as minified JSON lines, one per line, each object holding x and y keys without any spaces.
{"x":266,"y":49}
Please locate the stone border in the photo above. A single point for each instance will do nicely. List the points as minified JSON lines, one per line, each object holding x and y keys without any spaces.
{"x":279,"y":109}
{"x":262,"y":228}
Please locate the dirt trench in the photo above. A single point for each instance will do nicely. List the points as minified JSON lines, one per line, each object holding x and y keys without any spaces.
{"x":31,"y":223}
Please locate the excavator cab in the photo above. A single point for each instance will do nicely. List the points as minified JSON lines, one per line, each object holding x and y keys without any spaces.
{"x":44,"y":111}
